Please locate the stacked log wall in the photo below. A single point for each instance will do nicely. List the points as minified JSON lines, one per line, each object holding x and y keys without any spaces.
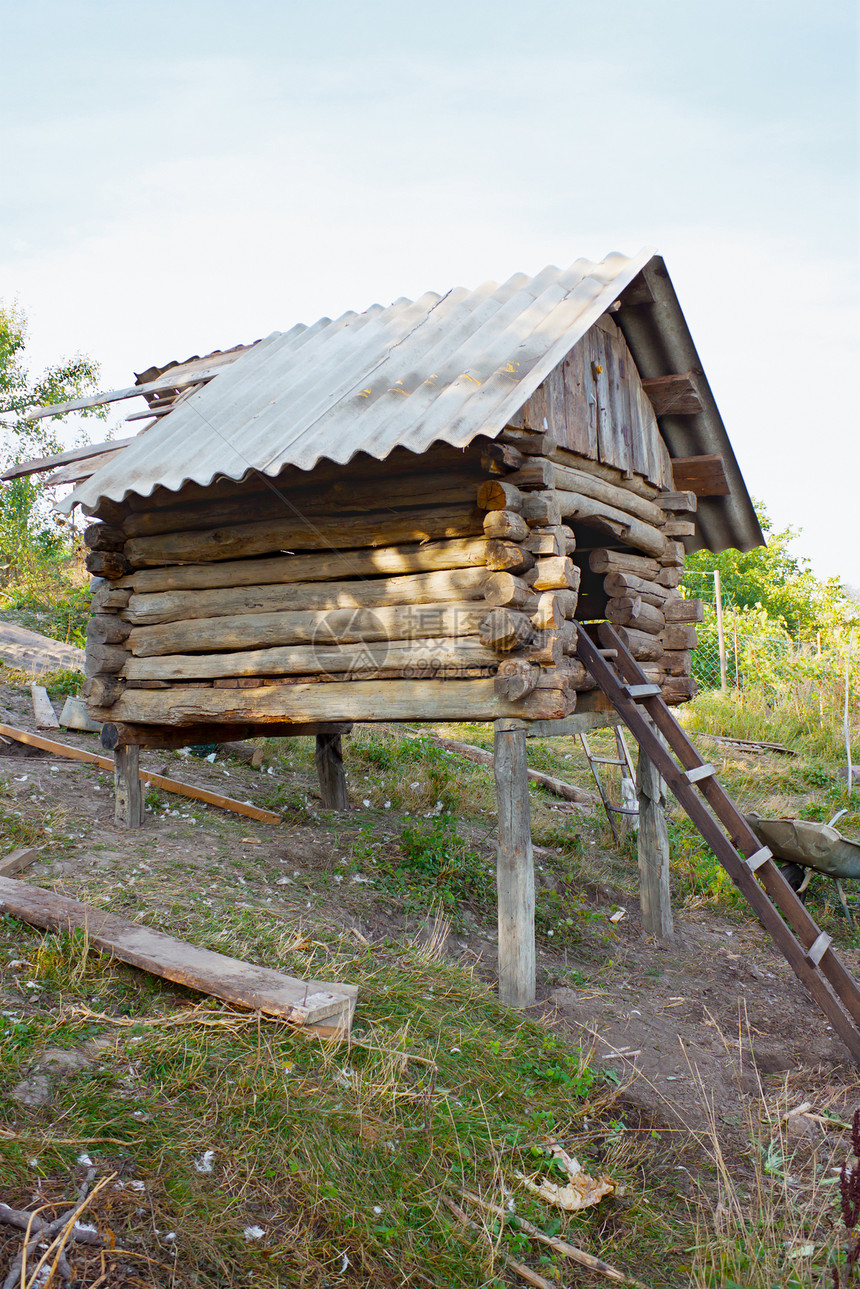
{"x":446,"y":586}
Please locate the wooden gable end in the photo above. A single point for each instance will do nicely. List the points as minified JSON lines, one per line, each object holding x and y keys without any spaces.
{"x":593,"y":404}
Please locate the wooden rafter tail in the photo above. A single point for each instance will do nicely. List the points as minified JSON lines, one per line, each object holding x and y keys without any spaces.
{"x":806,"y":948}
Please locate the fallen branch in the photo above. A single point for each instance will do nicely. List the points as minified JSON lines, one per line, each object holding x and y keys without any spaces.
{"x":560,"y":1246}
{"x":747,"y":742}
{"x":55,"y":1235}
{"x":155,"y":780}
{"x":526,"y":1273}
{"x":481,"y":757}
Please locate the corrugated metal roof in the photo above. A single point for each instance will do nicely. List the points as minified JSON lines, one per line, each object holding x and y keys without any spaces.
{"x":441,"y":368}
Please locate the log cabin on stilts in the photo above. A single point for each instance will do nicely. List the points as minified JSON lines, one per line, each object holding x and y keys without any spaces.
{"x":408,"y":514}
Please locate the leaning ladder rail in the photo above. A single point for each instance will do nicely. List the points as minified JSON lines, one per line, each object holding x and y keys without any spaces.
{"x":808,"y":949}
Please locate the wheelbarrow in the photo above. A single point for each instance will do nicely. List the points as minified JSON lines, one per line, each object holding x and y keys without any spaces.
{"x":802,"y":848}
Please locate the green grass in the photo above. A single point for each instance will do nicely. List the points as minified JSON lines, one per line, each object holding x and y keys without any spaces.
{"x":331,"y":1150}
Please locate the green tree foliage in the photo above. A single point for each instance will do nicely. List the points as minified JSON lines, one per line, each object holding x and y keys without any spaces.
{"x":27,"y":536}
{"x":772,"y":579}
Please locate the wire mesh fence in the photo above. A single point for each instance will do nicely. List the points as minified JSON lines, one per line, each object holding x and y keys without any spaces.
{"x":732,"y":654}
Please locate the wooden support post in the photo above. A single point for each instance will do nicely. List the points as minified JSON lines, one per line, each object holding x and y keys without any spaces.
{"x":128,"y":790}
{"x":653,"y":850}
{"x":329,"y":760}
{"x":515,"y":879}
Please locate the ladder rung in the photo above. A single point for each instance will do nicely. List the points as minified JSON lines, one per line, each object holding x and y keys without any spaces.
{"x":699,"y":772}
{"x":621,"y":810}
{"x":605,"y":760}
{"x":760,"y":857}
{"x":642,"y":691}
{"x":818,"y":948}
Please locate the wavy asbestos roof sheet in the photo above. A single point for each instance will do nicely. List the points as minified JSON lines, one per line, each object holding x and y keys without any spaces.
{"x":439,"y":368}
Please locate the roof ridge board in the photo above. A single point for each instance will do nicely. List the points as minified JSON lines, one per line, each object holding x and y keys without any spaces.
{"x":380,"y":411}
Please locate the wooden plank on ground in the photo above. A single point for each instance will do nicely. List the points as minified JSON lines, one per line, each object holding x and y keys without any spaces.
{"x":46,"y":717}
{"x":17,"y":860}
{"x":156,"y":780}
{"x":259,"y":988}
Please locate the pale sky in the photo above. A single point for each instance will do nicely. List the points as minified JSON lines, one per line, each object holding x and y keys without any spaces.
{"x":188,"y":176}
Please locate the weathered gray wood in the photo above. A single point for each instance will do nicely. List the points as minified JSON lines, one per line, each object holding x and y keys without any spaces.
{"x":128,"y":792}
{"x":43,"y":711}
{"x":602,"y":560}
{"x":626,"y":527}
{"x":438,"y":587}
{"x":515,"y":881}
{"x":372,"y":528}
{"x":266,"y":630}
{"x":633,"y":611}
{"x":17,"y":860}
{"x":349,"y":494}
{"x":653,"y":850}
{"x":360,"y":700}
{"x":382,"y":561}
{"x":258,"y":988}
{"x":329,"y":763}
{"x":323,"y":659}
{"x":588,"y":485}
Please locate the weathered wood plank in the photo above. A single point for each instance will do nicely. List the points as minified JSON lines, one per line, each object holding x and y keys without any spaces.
{"x":322,"y":659}
{"x":703,"y":475}
{"x":383,"y":561}
{"x":515,"y":884}
{"x":336,"y":626}
{"x":128,"y":797}
{"x":43,"y":711}
{"x":373,"y":528}
{"x":653,"y":850}
{"x":439,"y":587}
{"x":329,"y":765}
{"x":674,"y":395}
{"x":36,"y":653}
{"x":257,"y":988}
{"x":361,"y":700}
{"x":17,"y":861}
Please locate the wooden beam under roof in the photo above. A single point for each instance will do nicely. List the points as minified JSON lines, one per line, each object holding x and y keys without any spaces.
{"x":703,"y":475}
{"x":674,"y":395}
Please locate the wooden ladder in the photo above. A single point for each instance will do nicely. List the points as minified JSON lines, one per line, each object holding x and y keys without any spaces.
{"x":808,"y":949}
{"x":625,"y":765}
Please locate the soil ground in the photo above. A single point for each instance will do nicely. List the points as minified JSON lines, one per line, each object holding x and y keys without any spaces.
{"x":694,"y":1028}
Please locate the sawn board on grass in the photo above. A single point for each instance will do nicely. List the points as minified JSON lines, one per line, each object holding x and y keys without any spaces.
{"x":325,"y":1006}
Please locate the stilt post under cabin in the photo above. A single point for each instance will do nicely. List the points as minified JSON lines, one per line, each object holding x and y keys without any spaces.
{"x":653,"y":850}
{"x":329,"y":763}
{"x":128,"y":790}
{"x":515,"y":879}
